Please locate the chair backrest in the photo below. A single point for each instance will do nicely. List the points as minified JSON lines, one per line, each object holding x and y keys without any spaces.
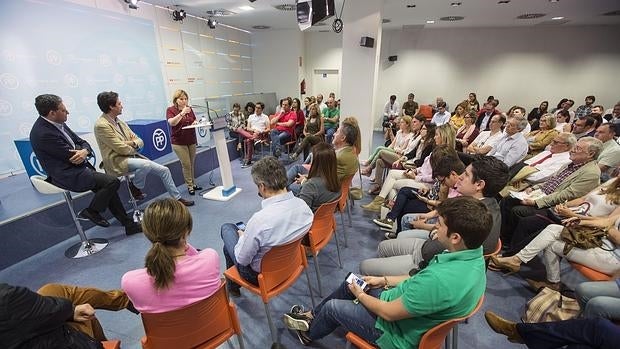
{"x":434,"y":338}
{"x":204,"y":324}
{"x":280,"y":267}
{"x":344,"y":192}
{"x":589,"y":273}
{"x":426,"y":110}
{"x":45,"y":187}
{"x":498,"y":248}
{"x":323,"y":225}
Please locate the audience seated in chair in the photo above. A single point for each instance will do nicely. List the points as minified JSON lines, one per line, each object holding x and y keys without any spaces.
{"x":56,"y":316}
{"x":282,"y":127}
{"x":322,"y":185}
{"x":282,"y":219}
{"x":256,"y":130}
{"x":398,"y":310}
{"x":175,"y":273}
{"x":512,"y":147}
{"x":331,"y":119}
{"x":610,"y":155}
{"x":119,"y":147}
{"x":64,"y":157}
{"x":313,"y":132}
{"x":397,"y":148}
{"x":538,"y":140}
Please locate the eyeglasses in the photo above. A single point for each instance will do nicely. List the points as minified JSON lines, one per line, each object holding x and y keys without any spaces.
{"x":558,"y":142}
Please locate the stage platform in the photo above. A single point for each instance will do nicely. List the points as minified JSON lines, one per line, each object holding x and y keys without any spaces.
{"x":31,"y":222}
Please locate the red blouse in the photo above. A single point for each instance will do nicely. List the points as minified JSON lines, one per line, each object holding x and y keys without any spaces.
{"x":178,"y":135}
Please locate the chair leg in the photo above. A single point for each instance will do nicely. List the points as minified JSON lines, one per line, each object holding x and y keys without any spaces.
{"x":344,"y":229}
{"x":338,"y":249}
{"x":85,"y":247}
{"x":349,"y":213}
{"x":455,"y":336}
{"x":272,"y":327}
{"x":310,"y":288}
{"x":137,"y":213}
{"x":318,"y":274}
{"x":240,"y":339}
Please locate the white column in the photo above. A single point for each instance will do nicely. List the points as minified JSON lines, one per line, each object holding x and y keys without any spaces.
{"x":360,"y":65}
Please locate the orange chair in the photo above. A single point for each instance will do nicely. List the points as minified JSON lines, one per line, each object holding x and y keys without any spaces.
{"x":589,"y":273}
{"x":433,"y":338}
{"x":426,"y":110}
{"x":343,"y":203}
{"x":113,"y":344}
{"x":204,"y":324}
{"x":280,"y":268}
{"x":321,"y":231}
{"x":487,"y":257}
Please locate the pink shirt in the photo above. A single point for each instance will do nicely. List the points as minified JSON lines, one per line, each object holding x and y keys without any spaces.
{"x":197,"y":277}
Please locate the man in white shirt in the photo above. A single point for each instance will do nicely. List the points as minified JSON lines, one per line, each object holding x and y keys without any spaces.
{"x":256,"y":129}
{"x":442,"y":116}
{"x":320,"y":103}
{"x":486,"y":140}
{"x":610,"y":156}
{"x":513,"y":147}
{"x":391,"y":110}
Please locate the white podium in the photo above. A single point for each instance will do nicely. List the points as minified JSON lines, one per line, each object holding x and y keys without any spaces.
{"x":227,"y":190}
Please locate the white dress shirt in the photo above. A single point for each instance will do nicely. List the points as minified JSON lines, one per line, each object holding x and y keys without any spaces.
{"x":258,"y":123}
{"x":549,"y":167}
{"x":510,"y":149}
{"x":391,"y":109}
{"x":441,"y":118}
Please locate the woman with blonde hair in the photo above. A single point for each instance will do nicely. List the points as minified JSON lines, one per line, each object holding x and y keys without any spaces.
{"x":176,"y":274}
{"x":468,"y":132}
{"x":183,"y":141}
{"x":538,"y":140}
{"x":399,"y":145}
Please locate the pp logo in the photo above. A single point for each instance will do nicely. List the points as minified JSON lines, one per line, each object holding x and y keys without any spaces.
{"x":36,"y":165}
{"x":202,"y":131}
{"x":159,"y":139}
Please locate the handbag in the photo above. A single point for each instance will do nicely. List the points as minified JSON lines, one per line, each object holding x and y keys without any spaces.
{"x":550,"y":305}
{"x":582,"y":237}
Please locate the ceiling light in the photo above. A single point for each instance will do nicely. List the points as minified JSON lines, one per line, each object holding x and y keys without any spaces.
{"x":503,"y":1}
{"x":178,"y":15}
{"x":133,"y":4}
{"x":531,"y":15}
{"x":557,"y":18}
{"x":262,"y":27}
{"x":452,"y":18}
{"x":246,"y":8}
{"x":211,"y":23}
{"x":554,"y":0}
{"x":455,"y":4}
{"x":411,"y":6}
{"x":430,"y":22}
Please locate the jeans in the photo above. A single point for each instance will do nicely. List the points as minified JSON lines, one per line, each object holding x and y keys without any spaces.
{"x":230,"y":237}
{"x":329,"y":134}
{"x":576,"y":333}
{"x":142,"y":167}
{"x":599,"y":299}
{"x":394,"y":257}
{"x":338,"y":309}
{"x":290,"y":176}
{"x":277,"y":138}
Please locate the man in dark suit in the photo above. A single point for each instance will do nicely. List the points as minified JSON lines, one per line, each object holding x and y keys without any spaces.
{"x":63,"y":155}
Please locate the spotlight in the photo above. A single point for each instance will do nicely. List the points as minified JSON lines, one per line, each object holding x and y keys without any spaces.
{"x":178,"y":15}
{"x":133,"y":4}
{"x":211,"y":23}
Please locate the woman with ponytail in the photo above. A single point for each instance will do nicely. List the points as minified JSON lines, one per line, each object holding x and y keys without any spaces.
{"x":176,"y":274}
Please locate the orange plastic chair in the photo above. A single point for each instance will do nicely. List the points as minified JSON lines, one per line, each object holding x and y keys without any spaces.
{"x":321,"y":231}
{"x":280,"y":268}
{"x":590,"y":273}
{"x":426,"y":110}
{"x":487,"y":257}
{"x":112,"y":344}
{"x":343,"y":203}
{"x":433,"y":338}
{"x":204,"y":324}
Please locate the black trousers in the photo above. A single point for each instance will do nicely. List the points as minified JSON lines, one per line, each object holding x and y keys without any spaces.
{"x":512,"y":213}
{"x":106,"y":196}
{"x":406,"y":202}
{"x":527,"y":229}
{"x":596,"y":333}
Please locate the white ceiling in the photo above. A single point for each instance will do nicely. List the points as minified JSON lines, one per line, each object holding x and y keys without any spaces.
{"x":477,"y":13}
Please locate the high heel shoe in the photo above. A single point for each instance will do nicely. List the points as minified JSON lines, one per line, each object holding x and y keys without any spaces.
{"x":505,"y":265}
{"x":191,"y":191}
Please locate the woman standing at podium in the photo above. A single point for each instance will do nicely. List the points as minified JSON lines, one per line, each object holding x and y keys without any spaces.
{"x":184,"y":142}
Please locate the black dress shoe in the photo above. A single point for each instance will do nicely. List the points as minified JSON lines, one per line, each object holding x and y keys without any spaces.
{"x":95,"y":217}
{"x":191,"y":191}
{"x":197,"y":188}
{"x":133,"y":228}
{"x":186,"y":202}
{"x":136,"y":193}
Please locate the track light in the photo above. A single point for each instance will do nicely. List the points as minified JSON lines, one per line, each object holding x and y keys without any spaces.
{"x":133,"y":4}
{"x":178,"y":15}
{"x":211,"y":23}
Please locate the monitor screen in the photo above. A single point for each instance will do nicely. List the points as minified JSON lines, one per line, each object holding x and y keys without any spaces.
{"x":310,"y":12}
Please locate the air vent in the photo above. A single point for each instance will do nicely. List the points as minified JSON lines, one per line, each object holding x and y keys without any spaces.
{"x":220,"y":13}
{"x":531,"y":15}
{"x":386,"y":20}
{"x":411,"y":6}
{"x":612,"y":13}
{"x":286,"y":7}
{"x":261,"y":27}
{"x":452,"y":18}
{"x":554,"y":22}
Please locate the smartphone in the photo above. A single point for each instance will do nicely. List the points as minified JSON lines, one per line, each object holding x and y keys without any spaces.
{"x":351,"y":278}
{"x":418,"y":195}
{"x":240,"y":225}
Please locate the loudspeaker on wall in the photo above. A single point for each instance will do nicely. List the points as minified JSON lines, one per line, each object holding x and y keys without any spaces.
{"x":367,"y":41}
{"x":392,"y":58}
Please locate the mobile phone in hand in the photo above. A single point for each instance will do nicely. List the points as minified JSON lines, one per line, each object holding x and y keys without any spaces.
{"x":351,"y":278}
{"x":240,"y":225}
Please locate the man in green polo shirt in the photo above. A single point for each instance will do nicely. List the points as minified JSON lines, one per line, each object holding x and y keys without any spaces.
{"x":397,"y":310}
{"x":331,"y":118}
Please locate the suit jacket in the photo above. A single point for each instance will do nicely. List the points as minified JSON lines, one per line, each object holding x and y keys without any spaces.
{"x":347,"y":162}
{"x":578,"y":184}
{"x":114,"y":150}
{"x":54,"y":150}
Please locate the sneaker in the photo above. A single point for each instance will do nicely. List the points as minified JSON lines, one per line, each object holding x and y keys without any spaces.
{"x":389,"y":230}
{"x":296,"y":322}
{"x":391,"y":235}
{"x":246,"y":164}
{"x":186,"y":202}
{"x":297,"y":309}
{"x":385,"y":222}
{"x":293,"y":156}
{"x":303,"y":337}
{"x":136,"y":192}
{"x":277,"y":153}
{"x":257,"y":142}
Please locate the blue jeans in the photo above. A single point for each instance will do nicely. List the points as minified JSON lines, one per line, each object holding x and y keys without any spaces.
{"x":290,"y":176}
{"x":338,"y":309}
{"x":277,"y":138}
{"x":575,"y":334}
{"x":142,"y":167}
{"x":599,"y":299}
{"x":230,"y":237}
{"x":329,"y":134}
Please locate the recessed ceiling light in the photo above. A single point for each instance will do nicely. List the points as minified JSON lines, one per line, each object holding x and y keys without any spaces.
{"x":557,"y":18}
{"x":261,"y":27}
{"x":220,"y":12}
{"x":503,"y":1}
{"x":286,"y":7}
{"x":386,"y":20}
{"x":531,"y":16}
{"x":554,"y":0}
{"x":455,"y":4}
{"x":430,"y":22}
{"x":246,"y":8}
{"x":452,"y":18}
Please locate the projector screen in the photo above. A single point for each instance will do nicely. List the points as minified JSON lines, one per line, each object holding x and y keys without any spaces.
{"x":75,"y":52}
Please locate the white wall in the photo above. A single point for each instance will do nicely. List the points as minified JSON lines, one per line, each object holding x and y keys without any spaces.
{"x":275,"y":61}
{"x":322,"y":51}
